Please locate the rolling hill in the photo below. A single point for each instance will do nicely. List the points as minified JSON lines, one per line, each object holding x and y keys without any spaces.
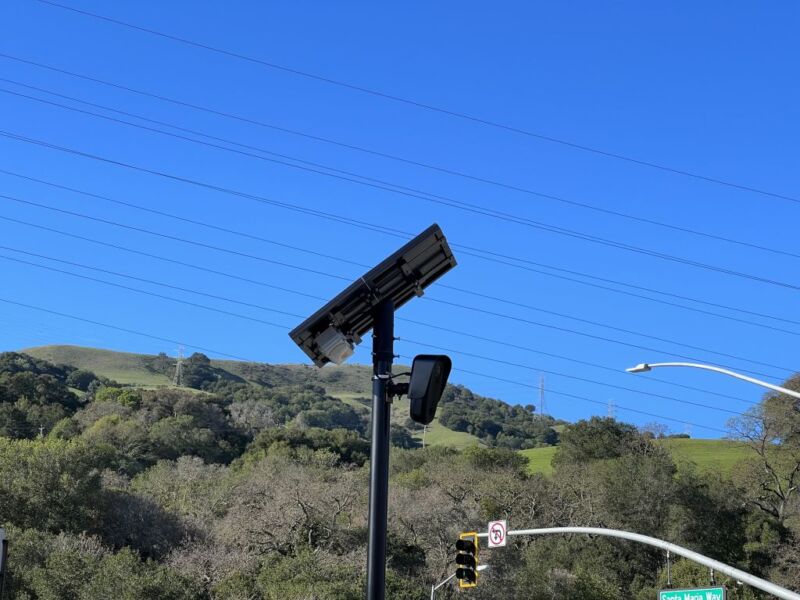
{"x":708,"y":455}
{"x":349,"y":383}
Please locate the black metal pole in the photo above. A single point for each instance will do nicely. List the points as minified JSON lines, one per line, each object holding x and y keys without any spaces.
{"x":382,"y":356}
{"x":4,"y":570}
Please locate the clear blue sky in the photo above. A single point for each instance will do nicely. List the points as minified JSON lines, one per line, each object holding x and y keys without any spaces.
{"x":704,"y":87}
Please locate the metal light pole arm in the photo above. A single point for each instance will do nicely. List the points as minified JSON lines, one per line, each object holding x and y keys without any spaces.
{"x":752,"y":580}
{"x":440,"y":584}
{"x":770,"y":386}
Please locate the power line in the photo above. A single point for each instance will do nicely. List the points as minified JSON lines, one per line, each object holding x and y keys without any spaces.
{"x":253,"y":319}
{"x":426,"y":196}
{"x":563,"y":357}
{"x":584,"y":399}
{"x":322,"y":299}
{"x":458,"y":305}
{"x":530,"y":307}
{"x":522,"y":320}
{"x":492,"y":258}
{"x":235,"y":357}
{"x":373,"y":152}
{"x":184,"y":219}
{"x":261,"y":199}
{"x":146,"y":293}
{"x":429,"y":107}
{"x":177,"y":238}
{"x":122,"y":329}
{"x":558,"y":374}
{"x":162,"y":258}
{"x":470,"y":251}
{"x":143,"y":280}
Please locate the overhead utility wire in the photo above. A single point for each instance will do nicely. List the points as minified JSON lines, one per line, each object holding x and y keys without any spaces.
{"x":613,"y":328}
{"x":422,"y":195}
{"x":373,"y":227}
{"x":428,"y":298}
{"x":123,"y":329}
{"x":234,"y":357}
{"x":261,"y":307}
{"x":455,"y":245}
{"x":146,"y":293}
{"x":362,"y":149}
{"x":556,"y":373}
{"x":585,"y":399}
{"x":322,"y":299}
{"x":465,"y":307}
{"x":429,"y":107}
{"x":261,"y":199}
{"x":178,"y":239}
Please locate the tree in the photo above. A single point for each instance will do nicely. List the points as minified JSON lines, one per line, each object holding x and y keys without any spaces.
{"x":179,"y":436}
{"x":772,"y":432}
{"x":81,"y":379}
{"x":598,"y":438}
{"x":51,"y":484}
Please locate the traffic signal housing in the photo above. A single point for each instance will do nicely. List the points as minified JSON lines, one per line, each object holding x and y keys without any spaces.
{"x":467,"y":560}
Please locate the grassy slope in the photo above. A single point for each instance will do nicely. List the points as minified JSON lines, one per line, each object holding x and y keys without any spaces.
{"x":539,"y":459}
{"x":122,"y":367}
{"x":709,"y":455}
{"x":348,"y":383}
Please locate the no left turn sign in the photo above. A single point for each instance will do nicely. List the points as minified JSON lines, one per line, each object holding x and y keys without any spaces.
{"x":497,"y":534}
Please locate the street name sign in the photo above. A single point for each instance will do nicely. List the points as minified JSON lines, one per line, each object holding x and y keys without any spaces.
{"x":715,"y":593}
{"x":498,"y":531}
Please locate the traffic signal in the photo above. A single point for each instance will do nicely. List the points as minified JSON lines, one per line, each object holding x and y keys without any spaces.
{"x":467,"y":560}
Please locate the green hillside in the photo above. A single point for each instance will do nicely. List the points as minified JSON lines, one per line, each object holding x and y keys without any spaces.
{"x":122,"y":367}
{"x":708,"y":455}
{"x":349,"y":383}
{"x":540,"y":459}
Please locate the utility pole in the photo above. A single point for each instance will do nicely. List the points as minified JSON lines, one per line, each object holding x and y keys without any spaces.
{"x":177,"y":380}
{"x":612,"y":410}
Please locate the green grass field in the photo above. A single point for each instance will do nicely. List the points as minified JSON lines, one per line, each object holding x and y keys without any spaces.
{"x":122,"y":367}
{"x":540,"y":459}
{"x":708,"y":455}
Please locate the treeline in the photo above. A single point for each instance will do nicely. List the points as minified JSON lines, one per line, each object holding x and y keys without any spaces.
{"x":495,"y":422}
{"x":231,"y":494}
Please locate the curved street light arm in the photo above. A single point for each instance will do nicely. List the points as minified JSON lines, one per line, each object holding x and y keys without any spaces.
{"x":649,"y":366}
{"x":733,"y":572}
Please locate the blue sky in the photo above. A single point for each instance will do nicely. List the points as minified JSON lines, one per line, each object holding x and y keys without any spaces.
{"x":707,"y":88}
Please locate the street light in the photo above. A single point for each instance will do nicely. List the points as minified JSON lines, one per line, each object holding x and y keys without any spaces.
{"x":442,"y":583}
{"x":330,"y":335}
{"x":644,"y":367}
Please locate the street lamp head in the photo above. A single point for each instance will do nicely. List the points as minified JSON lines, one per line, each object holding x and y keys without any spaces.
{"x":640,"y":368}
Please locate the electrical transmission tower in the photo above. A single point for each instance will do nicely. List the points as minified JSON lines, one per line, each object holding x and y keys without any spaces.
{"x":177,"y":380}
{"x":542,"y":403}
{"x":612,"y":410}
